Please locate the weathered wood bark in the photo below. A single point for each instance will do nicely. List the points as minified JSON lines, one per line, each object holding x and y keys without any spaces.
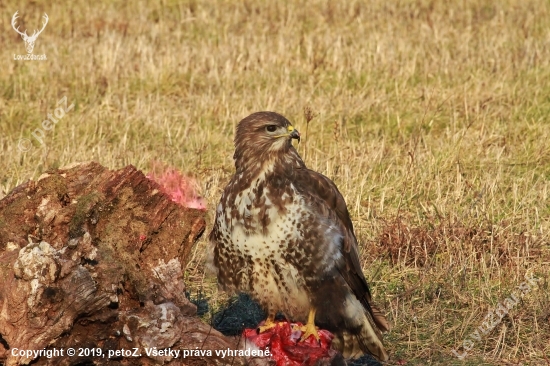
{"x":93,"y":258}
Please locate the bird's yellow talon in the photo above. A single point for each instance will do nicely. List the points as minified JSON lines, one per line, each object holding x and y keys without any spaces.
{"x":310,"y":328}
{"x":269,"y":324}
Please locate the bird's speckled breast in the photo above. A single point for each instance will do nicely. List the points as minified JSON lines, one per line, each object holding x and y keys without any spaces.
{"x":262,"y":231}
{"x":262,"y":236}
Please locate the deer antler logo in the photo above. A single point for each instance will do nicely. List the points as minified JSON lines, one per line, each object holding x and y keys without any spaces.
{"x":29,"y":40}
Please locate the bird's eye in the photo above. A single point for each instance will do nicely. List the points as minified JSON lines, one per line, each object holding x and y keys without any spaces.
{"x":271,"y":128}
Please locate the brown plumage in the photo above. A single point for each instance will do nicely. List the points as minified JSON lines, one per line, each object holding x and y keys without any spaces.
{"x":283,"y":234}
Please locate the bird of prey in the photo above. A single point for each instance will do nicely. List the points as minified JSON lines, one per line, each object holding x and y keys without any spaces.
{"x":283,"y":234}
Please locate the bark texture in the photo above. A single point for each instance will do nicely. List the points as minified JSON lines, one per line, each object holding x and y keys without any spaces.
{"x":94,"y":258}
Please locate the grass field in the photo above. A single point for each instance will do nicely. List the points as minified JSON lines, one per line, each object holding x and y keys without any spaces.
{"x":430,"y":116}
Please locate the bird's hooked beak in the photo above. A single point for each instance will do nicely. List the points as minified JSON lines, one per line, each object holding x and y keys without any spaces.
{"x":293,"y":133}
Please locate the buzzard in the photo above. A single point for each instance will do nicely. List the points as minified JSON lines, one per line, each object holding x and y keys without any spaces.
{"x":283,"y":235}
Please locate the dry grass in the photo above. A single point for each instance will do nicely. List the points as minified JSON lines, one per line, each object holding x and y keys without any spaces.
{"x":430,"y":116}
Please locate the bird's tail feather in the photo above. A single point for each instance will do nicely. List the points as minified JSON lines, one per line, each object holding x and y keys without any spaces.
{"x":379,"y":319}
{"x":367,"y":340}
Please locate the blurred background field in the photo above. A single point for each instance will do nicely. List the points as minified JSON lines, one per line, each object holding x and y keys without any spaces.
{"x":430,"y":116}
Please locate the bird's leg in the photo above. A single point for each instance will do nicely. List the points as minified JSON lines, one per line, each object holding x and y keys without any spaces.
{"x":269,"y":323}
{"x":309,"y":328}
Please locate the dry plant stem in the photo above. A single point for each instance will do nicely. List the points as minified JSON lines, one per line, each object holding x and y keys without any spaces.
{"x":308,"y":115}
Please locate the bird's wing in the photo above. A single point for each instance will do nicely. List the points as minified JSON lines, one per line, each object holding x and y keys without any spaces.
{"x":323,"y":190}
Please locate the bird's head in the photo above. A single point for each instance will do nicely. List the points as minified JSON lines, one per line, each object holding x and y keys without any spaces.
{"x":263,"y":135}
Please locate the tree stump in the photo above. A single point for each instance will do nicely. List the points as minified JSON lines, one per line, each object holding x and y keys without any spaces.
{"x":92,"y":258}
